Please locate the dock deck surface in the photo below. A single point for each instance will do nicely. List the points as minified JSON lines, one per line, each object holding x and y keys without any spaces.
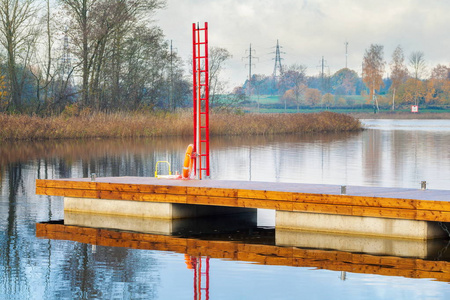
{"x":400,"y":203}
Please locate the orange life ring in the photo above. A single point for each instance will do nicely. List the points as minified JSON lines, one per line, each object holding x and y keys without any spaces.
{"x":188,"y":161}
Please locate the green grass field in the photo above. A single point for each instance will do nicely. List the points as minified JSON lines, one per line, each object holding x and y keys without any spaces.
{"x":356,"y":104}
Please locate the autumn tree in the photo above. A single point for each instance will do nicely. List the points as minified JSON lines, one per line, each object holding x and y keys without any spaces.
{"x":412,"y":91}
{"x":293,"y":78}
{"x":440,"y":84}
{"x":399,"y":72}
{"x":373,"y":69}
{"x":344,"y":82}
{"x":430,"y":96}
{"x":3,"y":93}
{"x":288,"y":97}
{"x":312,"y":96}
{"x":328,"y":99}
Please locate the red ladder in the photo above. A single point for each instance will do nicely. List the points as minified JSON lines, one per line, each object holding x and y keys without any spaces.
{"x":201,"y":98}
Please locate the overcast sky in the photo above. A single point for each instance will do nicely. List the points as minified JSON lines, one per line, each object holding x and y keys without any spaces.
{"x":308,"y":30}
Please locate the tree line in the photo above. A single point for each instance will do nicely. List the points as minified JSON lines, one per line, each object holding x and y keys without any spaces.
{"x":408,"y":82}
{"x":99,"y":55}
{"x":90,"y":54}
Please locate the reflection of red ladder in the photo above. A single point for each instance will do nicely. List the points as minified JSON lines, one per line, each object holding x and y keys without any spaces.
{"x":201,"y":278}
{"x":201,"y":98}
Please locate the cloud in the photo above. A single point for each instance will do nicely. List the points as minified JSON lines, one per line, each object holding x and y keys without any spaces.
{"x":311,"y":29}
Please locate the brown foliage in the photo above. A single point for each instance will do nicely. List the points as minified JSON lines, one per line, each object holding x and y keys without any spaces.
{"x":266,"y":124}
{"x":120,"y":125}
{"x":373,"y":68}
{"x":312,"y":96}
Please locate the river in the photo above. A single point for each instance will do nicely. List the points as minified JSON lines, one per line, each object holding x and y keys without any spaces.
{"x":389,"y":153}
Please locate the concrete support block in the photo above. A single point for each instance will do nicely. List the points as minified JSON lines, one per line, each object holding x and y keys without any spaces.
{"x":367,"y":226}
{"x":147,"y":209}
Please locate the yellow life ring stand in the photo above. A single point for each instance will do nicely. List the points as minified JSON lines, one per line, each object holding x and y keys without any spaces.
{"x":188,"y":161}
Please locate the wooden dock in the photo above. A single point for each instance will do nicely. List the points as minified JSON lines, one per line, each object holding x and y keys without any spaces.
{"x":261,"y":254}
{"x":393,"y":203}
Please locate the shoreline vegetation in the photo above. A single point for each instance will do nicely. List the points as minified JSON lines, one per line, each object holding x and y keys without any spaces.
{"x":133,"y":125}
{"x":401,"y":115}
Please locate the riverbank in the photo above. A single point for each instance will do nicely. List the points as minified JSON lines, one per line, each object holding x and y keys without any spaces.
{"x":402,"y":115}
{"x":129,"y":125}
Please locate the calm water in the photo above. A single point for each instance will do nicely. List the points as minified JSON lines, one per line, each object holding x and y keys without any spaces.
{"x":392,"y":153}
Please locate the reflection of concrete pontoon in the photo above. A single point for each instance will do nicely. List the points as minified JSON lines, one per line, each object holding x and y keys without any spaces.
{"x":354,"y":262}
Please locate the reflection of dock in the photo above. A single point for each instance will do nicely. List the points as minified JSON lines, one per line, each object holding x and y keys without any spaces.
{"x":185,"y":226}
{"x":262,"y":254}
{"x":371,"y":211}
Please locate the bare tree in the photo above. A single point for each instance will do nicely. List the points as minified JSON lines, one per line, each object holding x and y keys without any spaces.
{"x":101,"y":28}
{"x":79,"y":11}
{"x":257,"y":81}
{"x":399,"y":71}
{"x":42,"y":66}
{"x":417,"y":63}
{"x":293,"y":78}
{"x":217,"y":57}
{"x":17,"y":32}
{"x":373,"y":69}
{"x":145,"y":61}
{"x":49,"y":52}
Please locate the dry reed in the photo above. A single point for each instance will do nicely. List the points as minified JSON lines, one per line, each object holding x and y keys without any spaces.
{"x":129,"y":125}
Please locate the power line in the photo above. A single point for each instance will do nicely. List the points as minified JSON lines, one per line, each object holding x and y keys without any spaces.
{"x":250,"y":64}
{"x":278,"y":60}
{"x":322,"y":65}
{"x":65,"y":61}
{"x":322,"y":73}
{"x":346,"y":53}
